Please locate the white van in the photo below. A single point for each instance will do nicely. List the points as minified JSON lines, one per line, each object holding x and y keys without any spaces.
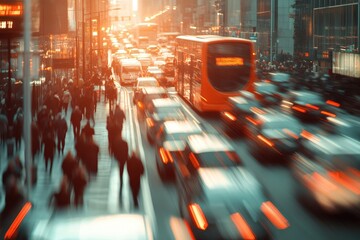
{"x":130,"y":70}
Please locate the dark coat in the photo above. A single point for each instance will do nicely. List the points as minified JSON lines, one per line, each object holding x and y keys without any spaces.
{"x":50,"y":146}
{"x":121,"y":150}
{"x":76,"y":116}
{"x":61,"y":128}
{"x":135,"y":170}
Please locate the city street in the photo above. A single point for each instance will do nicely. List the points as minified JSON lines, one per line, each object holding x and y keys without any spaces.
{"x":242,"y":119}
{"x":159,"y":200}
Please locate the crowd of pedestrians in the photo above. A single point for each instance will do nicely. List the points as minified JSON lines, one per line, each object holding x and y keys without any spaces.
{"x":49,"y":129}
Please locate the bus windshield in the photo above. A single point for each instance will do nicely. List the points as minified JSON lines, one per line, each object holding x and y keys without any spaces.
{"x":229,"y":65}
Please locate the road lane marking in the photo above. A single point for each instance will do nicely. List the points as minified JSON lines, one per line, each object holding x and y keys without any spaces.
{"x":145,"y":187}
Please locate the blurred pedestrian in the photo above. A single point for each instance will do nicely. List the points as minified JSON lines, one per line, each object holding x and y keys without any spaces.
{"x":18,"y":127}
{"x":13,"y":169}
{"x":80,"y":180}
{"x":56,"y":105}
{"x":90,"y":107}
{"x":14,"y":196}
{"x":91,"y":154}
{"x":135,"y":170}
{"x":121,"y":154}
{"x":76,"y":117}
{"x":68,"y":165}
{"x":61,"y":128}
{"x":35,"y":140}
{"x":66,"y":98}
{"x":49,"y":150}
{"x":61,"y":198}
{"x":110,"y":126}
{"x":4,"y":123}
{"x":112,"y":95}
{"x":87,"y":130}
{"x":119,"y":118}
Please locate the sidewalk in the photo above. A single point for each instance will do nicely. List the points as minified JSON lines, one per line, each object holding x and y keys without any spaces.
{"x":102,"y":191}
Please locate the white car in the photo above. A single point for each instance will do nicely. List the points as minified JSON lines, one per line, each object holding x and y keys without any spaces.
{"x":76,"y":226}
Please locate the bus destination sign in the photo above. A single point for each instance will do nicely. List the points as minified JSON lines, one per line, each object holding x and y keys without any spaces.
{"x":229,"y":61}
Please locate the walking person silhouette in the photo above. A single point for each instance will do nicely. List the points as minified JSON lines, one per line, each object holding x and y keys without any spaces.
{"x":135,"y":170}
{"x":121,"y":154}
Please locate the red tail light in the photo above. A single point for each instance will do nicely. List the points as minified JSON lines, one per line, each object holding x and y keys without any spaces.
{"x":252,"y":120}
{"x":194,"y":161}
{"x":329,"y":114}
{"x":332,"y":103}
{"x":242,"y":226}
{"x":149,"y":122}
{"x":346,"y":181}
{"x":265,"y":140}
{"x":290,"y":133}
{"x":198,"y":216}
{"x":230,"y":116}
{"x":309,"y":136}
{"x":274,"y":215}
{"x":165,"y":156}
{"x":299,"y":109}
{"x":257,"y":110}
{"x":312,"y":106}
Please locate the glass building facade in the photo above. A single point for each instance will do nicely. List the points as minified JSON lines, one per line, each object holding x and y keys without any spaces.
{"x":336,"y":25}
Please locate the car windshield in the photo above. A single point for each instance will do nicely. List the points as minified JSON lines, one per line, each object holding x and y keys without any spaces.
{"x":265,"y":88}
{"x":218,"y":159}
{"x":180,"y":135}
{"x":169,"y":113}
{"x":310,"y":98}
{"x":283,"y":124}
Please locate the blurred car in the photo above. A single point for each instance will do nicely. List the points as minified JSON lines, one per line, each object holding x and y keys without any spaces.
{"x":328,"y":171}
{"x":146,"y":95}
{"x":159,"y":111}
{"x":160,"y":58}
{"x":267,"y":94}
{"x":241,"y":108}
{"x":145,"y":60}
{"x":90,"y":226}
{"x":128,"y":47}
{"x":281,"y":81}
{"x":143,"y":82}
{"x":120,"y":54}
{"x":164,"y":51}
{"x":169,"y":143}
{"x":159,"y":63}
{"x":352,"y":104}
{"x":153,"y":49}
{"x":274,"y":135}
{"x":158,"y":73}
{"x":307,"y":105}
{"x":343,"y":126}
{"x":216,"y":192}
{"x":134,"y":52}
